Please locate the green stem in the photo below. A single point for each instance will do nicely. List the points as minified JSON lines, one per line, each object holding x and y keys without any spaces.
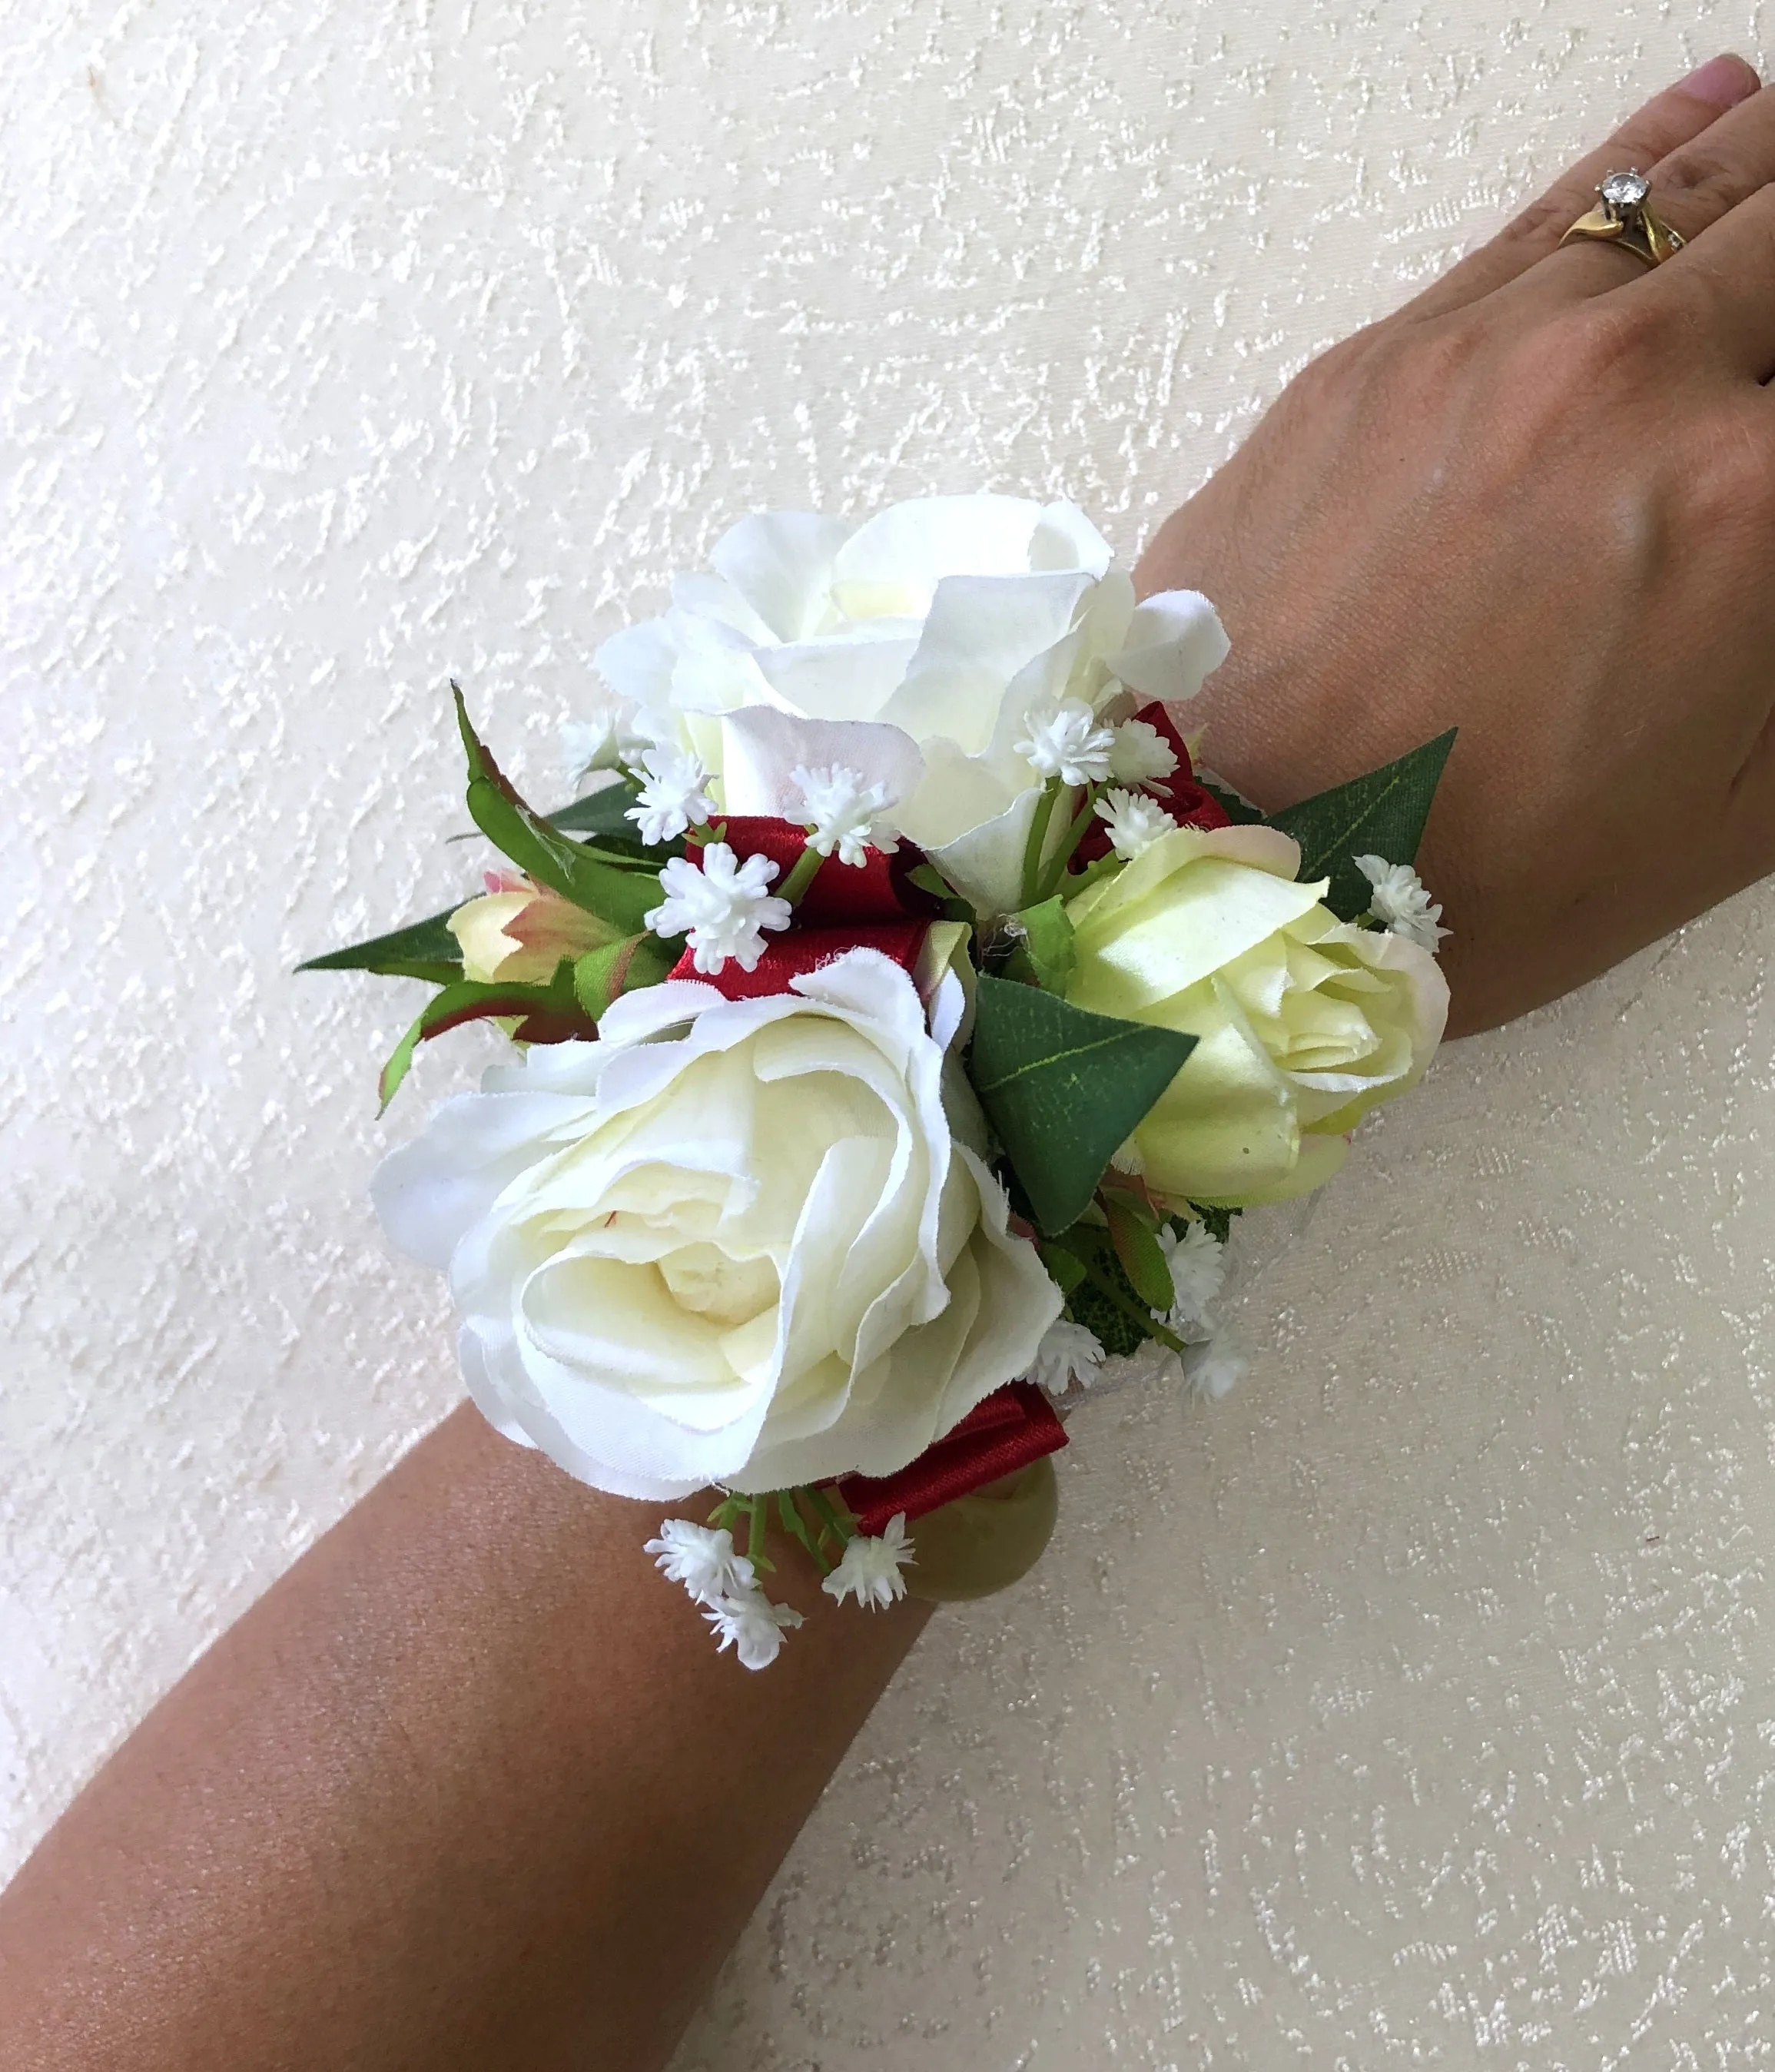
{"x":756,"y":1528}
{"x":1092,"y":872}
{"x":1038,"y":835}
{"x":1144,"y":1318}
{"x":793,"y":1523}
{"x":1075,"y":834}
{"x":829,"y":1520}
{"x":806,"y":867}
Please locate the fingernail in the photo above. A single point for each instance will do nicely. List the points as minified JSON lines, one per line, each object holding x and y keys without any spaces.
{"x":1722,"y":82}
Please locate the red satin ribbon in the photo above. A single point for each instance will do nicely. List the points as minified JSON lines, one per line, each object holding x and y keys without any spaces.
{"x":788,"y":955}
{"x":874,"y":907}
{"x":1014,"y":1426}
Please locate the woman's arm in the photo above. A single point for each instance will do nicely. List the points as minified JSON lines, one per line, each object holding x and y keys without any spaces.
{"x":469,"y":1787}
{"x":1537,"y":503}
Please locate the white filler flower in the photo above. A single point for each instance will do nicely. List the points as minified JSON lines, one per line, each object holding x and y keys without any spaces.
{"x":1197,"y":1261}
{"x":604,"y":736}
{"x":750,"y":1623}
{"x":703,"y":1560}
{"x":1071,"y":745}
{"x":870,"y":1566}
{"x":1141,"y":754}
{"x":1067,"y":1353}
{"x":724,"y":908}
{"x":1400,"y":903}
{"x":1134,"y":821}
{"x":1215,"y":1366}
{"x":673,"y":795}
{"x":842,"y":813}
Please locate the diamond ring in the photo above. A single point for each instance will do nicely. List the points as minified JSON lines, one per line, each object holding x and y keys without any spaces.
{"x":1624,"y":217}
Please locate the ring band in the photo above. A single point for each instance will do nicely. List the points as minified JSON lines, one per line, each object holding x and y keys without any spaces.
{"x":1624,"y":216}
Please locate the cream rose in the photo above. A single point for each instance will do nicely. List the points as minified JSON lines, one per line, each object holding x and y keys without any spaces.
{"x":731,"y":1242}
{"x":1304,"y":1022}
{"x":953,"y":618}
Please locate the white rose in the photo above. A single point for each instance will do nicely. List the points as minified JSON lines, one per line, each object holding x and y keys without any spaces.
{"x":733,"y":1241}
{"x":954,"y":618}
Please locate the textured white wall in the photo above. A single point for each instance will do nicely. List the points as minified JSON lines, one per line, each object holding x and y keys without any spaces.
{"x":1412,"y":1707}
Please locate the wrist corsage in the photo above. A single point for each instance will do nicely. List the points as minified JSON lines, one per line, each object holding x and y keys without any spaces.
{"x":900,"y":1021}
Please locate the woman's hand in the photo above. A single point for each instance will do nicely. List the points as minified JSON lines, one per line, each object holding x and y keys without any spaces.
{"x":1538,"y":503}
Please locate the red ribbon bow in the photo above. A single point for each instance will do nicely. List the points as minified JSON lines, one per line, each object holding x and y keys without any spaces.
{"x":1015,"y":1425}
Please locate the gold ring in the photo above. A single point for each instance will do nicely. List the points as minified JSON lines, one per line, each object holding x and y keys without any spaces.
{"x":1624,"y":217}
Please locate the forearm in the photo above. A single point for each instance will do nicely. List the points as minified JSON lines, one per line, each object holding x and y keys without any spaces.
{"x":469,"y":1787}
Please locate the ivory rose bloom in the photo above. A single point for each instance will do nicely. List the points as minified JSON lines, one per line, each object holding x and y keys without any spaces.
{"x":519,"y":932}
{"x":1304,"y":1022}
{"x":732,"y":1241}
{"x":956,"y":619}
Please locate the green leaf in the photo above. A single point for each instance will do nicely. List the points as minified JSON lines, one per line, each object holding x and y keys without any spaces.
{"x":1137,"y":1247}
{"x":1045,"y":955}
{"x":604,"y":830}
{"x":1066,"y":1270}
{"x":928,"y":878}
{"x":603,"y":812}
{"x":1063,"y":1089}
{"x":1108,"y":1305}
{"x":551,"y":1011}
{"x":601,"y":975}
{"x":1382,"y":814}
{"x":423,"y":949}
{"x":616,"y":891}
{"x":1237,"y":808}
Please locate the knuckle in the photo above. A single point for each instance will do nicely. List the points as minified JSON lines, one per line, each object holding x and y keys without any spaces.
{"x":1729,"y":478}
{"x":1547,"y":215}
{"x":1704,"y":183}
{"x":1613,"y":338}
{"x":1335,"y":371}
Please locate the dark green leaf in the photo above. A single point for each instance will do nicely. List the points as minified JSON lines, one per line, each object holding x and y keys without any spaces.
{"x":601,"y":814}
{"x":617,"y":893}
{"x":1116,"y":1316}
{"x":604,"y":830}
{"x":549,"y":1012}
{"x":423,"y":949}
{"x":1382,"y":814}
{"x":1237,"y":808}
{"x":1063,"y":1089}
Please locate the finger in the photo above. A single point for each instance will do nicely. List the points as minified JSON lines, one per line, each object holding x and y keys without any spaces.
{"x":1692,"y":187}
{"x":1680,"y":113}
{"x":1724,"y":283}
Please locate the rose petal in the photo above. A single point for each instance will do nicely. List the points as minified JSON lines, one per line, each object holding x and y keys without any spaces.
{"x":760,"y":747}
{"x":1174,"y":639}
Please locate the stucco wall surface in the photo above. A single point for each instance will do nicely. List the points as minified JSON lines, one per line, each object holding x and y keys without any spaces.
{"x":1412,"y":1707}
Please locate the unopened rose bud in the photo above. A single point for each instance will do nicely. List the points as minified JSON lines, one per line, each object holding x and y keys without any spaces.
{"x":520,"y":931}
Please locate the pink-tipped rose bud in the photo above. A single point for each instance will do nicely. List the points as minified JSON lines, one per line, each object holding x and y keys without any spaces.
{"x":520,"y":931}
